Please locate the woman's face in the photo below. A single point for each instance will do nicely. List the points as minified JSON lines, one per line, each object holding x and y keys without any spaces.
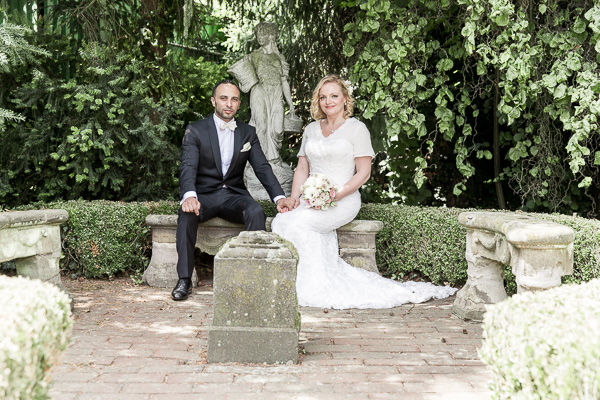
{"x":331,"y":99}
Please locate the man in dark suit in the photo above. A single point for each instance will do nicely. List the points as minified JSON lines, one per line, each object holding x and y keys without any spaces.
{"x":214,"y":154}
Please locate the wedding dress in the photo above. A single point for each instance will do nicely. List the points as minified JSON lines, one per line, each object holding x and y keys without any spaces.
{"x":324,"y":279}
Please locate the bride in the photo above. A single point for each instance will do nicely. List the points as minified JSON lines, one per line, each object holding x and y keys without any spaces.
{"x":339,"y":147}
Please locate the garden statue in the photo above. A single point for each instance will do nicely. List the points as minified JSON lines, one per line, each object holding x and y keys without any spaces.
{"x":264,"y":74}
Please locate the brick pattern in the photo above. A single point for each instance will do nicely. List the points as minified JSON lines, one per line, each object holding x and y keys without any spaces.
{"x":136,"y":343}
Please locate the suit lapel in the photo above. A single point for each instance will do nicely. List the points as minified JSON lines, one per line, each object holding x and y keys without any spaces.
{"x":237,"y":146}
{"x":214,"y":144}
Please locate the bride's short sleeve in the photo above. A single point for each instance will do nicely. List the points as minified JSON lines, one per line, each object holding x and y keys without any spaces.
{"x":307,"y":131}
{"x":301,"y":152}
{"x":362,"y":142}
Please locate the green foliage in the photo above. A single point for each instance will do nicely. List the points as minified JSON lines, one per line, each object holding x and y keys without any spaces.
{"x":434,"y":69}
{"x":103,"y":238}
{"x":15,"y":51}
{"x":193,"y":85}
{"x":550,"y":80}
{"x":34,"y":330}
{"x":98,"y":135}
{"x":427,"y":240}
{"x":545,"y":345}
{"x":105,"y":115}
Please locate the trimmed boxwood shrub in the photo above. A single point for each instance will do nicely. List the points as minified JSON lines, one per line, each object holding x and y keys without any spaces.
{"x":427,"y":240}
{"x":545,"y":345}
{"x":35,"y":327}
{"x":103,"y":238}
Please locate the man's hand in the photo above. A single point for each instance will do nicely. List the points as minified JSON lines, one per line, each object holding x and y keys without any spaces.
{"x":287,"y":204}
{"x":191,"y":204}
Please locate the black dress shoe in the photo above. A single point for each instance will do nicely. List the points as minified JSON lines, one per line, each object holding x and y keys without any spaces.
{"x":182,"y":289}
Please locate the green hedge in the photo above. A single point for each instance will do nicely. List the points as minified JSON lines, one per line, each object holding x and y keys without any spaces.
{"x":545,"y":345}
{"x":102,"y":239}
{"x":424,"y":240}
{"x":106,"y":238}
{"x":35,"y":327}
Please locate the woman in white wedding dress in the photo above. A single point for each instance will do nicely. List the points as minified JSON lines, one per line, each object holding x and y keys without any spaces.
{"x":339,"y":147}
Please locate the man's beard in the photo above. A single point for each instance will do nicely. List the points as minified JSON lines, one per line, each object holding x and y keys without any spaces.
{"x":221,"y":114}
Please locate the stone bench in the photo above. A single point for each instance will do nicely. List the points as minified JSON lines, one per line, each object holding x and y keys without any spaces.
{"x":356,"y":242}
{"x":539,"y":253}
{"x":32,"y":240}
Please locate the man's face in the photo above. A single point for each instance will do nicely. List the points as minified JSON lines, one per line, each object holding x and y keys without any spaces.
{"x":226,"y":101}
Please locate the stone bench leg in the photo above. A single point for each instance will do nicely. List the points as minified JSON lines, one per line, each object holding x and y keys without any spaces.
{"x":358,"y":249}
{"x":162,"y":270}
{"x":540,"y":269}
{"x":44,"y":267}
{"x":485,"y":285}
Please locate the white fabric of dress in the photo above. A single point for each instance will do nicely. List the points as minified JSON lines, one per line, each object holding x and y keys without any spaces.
{"x":324,"y":279}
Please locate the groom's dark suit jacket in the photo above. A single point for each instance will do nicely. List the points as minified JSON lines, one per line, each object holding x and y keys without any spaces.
{"x":201,"y":168}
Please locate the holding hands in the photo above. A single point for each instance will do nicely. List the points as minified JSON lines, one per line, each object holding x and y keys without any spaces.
{"x":287,"y":204}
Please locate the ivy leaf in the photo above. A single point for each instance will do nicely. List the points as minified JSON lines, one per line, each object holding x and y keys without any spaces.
{"x":445,"y":64}
{"x":573,"y":63}
{"x":348,"y":49}
{"x":457,"y":190}
{"x":579,"y":25}
{"x":560,"y":91}
{"x":542,"y":8}
{"x":586,"y":182}
{"x":502,"y":19}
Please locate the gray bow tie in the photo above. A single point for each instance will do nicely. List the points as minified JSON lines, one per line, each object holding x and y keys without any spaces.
{"x":227,"y":125}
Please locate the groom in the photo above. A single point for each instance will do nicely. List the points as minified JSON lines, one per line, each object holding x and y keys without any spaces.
{"x":214,"y":154}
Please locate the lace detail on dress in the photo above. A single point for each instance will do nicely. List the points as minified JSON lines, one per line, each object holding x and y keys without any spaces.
{"x":324,"y":279}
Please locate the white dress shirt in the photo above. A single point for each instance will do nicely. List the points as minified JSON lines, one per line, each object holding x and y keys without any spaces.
{"x":226,"y":141}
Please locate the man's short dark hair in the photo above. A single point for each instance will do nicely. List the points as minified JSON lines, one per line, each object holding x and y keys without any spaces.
{"x":225,"y":82}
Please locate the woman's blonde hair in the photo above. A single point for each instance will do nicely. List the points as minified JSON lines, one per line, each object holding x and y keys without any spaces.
{"x":315,"y":109}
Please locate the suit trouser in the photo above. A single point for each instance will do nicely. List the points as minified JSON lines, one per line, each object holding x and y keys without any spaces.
{"x":224,"y":203}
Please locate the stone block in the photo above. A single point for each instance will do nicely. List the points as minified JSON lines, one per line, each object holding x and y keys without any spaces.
{"x":256,"y":316}
{"x":252,"y":345}
{"x":354,"y":240}
{"x":360,"y":258}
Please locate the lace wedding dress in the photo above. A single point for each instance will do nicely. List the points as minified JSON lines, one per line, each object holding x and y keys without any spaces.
{"x":324,"y":279}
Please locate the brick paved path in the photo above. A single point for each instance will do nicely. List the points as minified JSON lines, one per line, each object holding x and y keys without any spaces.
{"x":135,"y":343}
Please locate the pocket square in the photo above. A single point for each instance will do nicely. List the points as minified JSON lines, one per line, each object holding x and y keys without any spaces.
{"x":246,"y":147}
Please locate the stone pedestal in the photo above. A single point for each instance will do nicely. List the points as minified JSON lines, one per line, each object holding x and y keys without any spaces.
{"x":32,"y":239}
{"x":539,"y":253}
{"x":256,"y":318}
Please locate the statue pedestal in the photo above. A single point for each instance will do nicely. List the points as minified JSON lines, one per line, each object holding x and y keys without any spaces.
{"x":283,"y":173}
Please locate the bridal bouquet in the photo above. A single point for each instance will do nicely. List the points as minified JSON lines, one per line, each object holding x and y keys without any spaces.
{"x":318,"y":192}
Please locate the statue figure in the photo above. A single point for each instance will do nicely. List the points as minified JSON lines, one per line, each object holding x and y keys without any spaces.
{"x":264,"y":74}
